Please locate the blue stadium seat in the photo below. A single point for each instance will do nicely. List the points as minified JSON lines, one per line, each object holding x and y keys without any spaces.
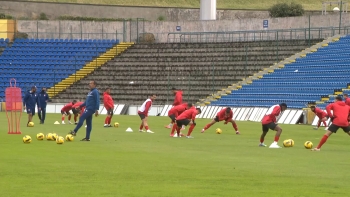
{"x":45,"y":62}
{"x":305,"y":81}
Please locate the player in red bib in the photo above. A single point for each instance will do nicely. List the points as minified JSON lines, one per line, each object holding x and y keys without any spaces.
{"x":321,"y":115}
{"x":187,"y":118}
{"x":143,"y":113}
{"x":65,"y":111}
{"x":76,"y":111}
{"x":175,"y":112}
{"x":224,"y":114}
{"x":339,"y":120}
{"x":177,"y":101}
{"x":109,"y":105}
{"x":269,"y":122}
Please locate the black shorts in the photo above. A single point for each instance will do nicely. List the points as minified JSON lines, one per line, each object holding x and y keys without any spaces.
{"x":75,"y":111}
{"x":184,"y":122}
{"x":334,"y":128}
{"x":65,"y":113}
{"x":172,"y":117}
{"x":142,"y":116}
{"x":217,"y":119}
{"x":271,"y":125}
{"x":110,"y":112}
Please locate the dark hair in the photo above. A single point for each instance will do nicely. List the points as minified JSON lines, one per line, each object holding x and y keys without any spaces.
{"x":108,"y":88}
{"x":313,"y":107}
{"x":94,"y":82}
{"x":152,"y":95}
{"x":173,"y":88}
{"x":228,"y":110}
{"x":74,"y":101}
{"x":339,"y":98}
{"x":189,"y":105}
{"x":283,"y":105}
{"x":345,"y":94}
{"x":199,"y":109}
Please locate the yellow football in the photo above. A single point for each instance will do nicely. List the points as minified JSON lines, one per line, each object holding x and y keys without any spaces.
{"x":60,"y":140}
{"x":49,"y":136}
{"x":27,"y":139}
{"x":54,"y":136}
{"x":40,"y":136}
{"x":116,"y":124}
{"x":308,"y":145}
{"x":69,"y":137}
{"x":31,"y":124}
{"x":288,"y":143}
{"x":218,"y":131}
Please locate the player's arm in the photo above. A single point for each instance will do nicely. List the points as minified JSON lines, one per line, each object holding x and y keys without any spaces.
{"x":229,"y":118}
{"x":148,"y":105}
{"x":328,"y":109}
{"x":38,"y":102}
{"x":26,"y":96}
{"x":276,"y":111}
{"x":97,"y":104}
{"x":177,"y":100}
{"x":47,"y":98}
{"x":83,"y":105}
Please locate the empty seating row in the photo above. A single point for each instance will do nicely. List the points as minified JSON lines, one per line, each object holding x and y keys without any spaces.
{"x":307,"y":80}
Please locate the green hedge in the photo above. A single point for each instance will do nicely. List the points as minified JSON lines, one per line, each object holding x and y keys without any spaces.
{"x":286,"y":10}
{"x":4,"y":16}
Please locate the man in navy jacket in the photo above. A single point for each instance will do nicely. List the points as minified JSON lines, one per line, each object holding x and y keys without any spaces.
{"x":92,"y":105}
{"x":29,"y":101}
{"x":43,"y":99}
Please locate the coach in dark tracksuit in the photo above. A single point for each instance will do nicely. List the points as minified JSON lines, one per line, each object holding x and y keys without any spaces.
{"x":92,"y":105}
{"x":43,"y":99}
{"x":29,"y":101}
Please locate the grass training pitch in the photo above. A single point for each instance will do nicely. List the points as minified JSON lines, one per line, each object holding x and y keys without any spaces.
{"x":117,"y":163}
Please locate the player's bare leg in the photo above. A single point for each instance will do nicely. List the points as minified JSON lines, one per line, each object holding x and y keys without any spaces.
{"x":192,"y":125}
{"x":234,"y":125}
{"x":170,"y":125}
{"x":145,"y":124}
{"x":173,"y":130}
{"x":141,"y":127}
{"x":323,"y":120}
{"x":274,"y":144}
{"x":63,"y":117}
{"x":208,"y":126}
{"x":69,"y":117}
{"x":262,"y":139}
{"x":30,"y":117}
{"x":323,"y":140}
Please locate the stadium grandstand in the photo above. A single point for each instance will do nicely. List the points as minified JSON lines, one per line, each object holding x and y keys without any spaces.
{"x":199,"y":69}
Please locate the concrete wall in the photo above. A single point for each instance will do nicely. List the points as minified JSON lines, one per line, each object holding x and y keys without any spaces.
{"x":128,"y":31}
{"x":53,"y":10}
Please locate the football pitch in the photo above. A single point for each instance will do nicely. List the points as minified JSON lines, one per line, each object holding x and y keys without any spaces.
{"x":117,"y":163}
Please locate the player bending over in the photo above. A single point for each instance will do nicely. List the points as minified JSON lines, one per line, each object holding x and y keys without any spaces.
{"x":175,"y":112}
{"x":269,"y":122}
{"x":339,"y":119}
{"x":187,"y":118}
{"x":224,"y":114}
{"x":143,"y":113}
{"x":177,"y":101}
{"x":321,"y":115}
{"x":76,"y":111}
{"x":109,"y":105}
{"x":65,"y":111}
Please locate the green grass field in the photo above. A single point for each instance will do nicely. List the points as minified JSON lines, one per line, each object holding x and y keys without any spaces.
{"x":117,"y":163}
{"x":227,"y":4}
